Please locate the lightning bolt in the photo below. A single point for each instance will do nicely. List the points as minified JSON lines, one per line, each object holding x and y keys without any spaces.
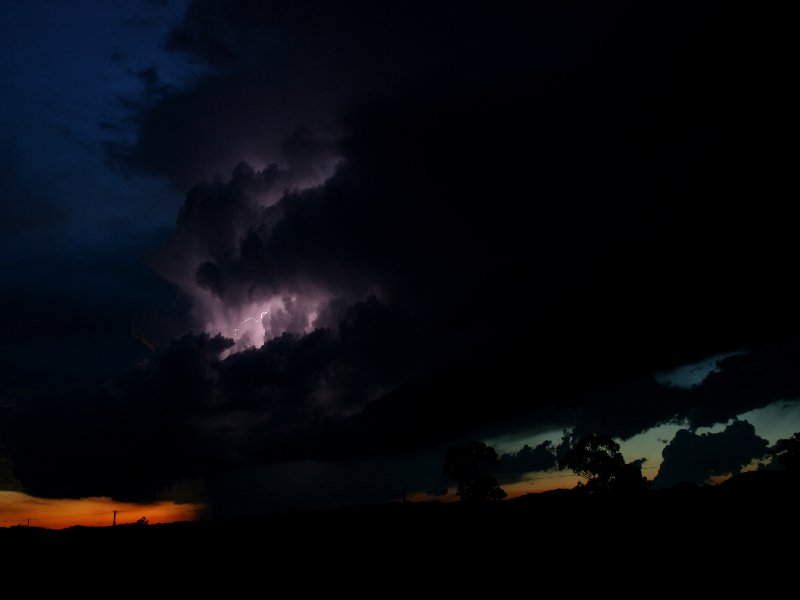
{"x":239,"y":328}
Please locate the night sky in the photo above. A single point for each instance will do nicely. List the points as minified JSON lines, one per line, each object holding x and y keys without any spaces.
{"x":264,"y":255}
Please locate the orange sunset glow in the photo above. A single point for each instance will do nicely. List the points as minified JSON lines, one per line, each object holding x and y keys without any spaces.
{"x":541,"y":484}
{"x":16,"y":508}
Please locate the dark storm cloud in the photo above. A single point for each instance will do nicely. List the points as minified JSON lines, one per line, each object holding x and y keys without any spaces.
{"x":694,"y":458}
{"x":128,"y":440}
{"x":365,"y":48}
{"x":276,"y":66}
{"x":190,"y":135}
{"x":585,"y":196}
{"x":527,"y":459}
{"x":592,"y":123}
{"x":624,"y":410}
{"x":311,"y":484}
{"x":740,"y":383}
{"x":576,"y":188}
{"x":186,"y":413}
{"x":748,"y":381}
{"x":67,"y":317}
{"x":208,"y":276}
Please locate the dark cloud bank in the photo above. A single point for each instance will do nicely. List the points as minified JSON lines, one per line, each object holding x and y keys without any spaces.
{"x":531,"y":206}
{"x":694,"y":458}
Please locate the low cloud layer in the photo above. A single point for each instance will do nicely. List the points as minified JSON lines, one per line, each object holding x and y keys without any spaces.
{"x":527,"y":460}
{"x":695,"y":458}
{"x":741,"y":382}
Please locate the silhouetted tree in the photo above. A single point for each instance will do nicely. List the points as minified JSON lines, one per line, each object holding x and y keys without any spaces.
{"x":599,"y":460}
{"x":788,"y":452}
{"x":470,"y":463}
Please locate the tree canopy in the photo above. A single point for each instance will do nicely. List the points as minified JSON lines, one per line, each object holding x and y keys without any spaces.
{"x":599,"y":460}
{"x":470,"y":463}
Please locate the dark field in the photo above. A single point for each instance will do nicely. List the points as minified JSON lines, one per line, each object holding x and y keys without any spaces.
{"x":749,"y":521}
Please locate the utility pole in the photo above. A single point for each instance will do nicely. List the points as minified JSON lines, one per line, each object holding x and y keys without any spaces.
{"x":114,"y":524}
{"x":29,"y":521}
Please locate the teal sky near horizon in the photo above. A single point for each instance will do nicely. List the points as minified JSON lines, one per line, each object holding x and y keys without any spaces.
{"x":778,"y":420}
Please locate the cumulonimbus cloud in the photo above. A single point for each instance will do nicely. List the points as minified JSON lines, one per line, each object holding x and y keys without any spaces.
{"x":499,"y":231}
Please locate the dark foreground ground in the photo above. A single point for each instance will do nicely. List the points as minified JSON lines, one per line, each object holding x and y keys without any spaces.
{"x":746,"y":529}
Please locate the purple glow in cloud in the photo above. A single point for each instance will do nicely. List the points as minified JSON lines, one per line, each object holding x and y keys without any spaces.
{"x":211,"y":235}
